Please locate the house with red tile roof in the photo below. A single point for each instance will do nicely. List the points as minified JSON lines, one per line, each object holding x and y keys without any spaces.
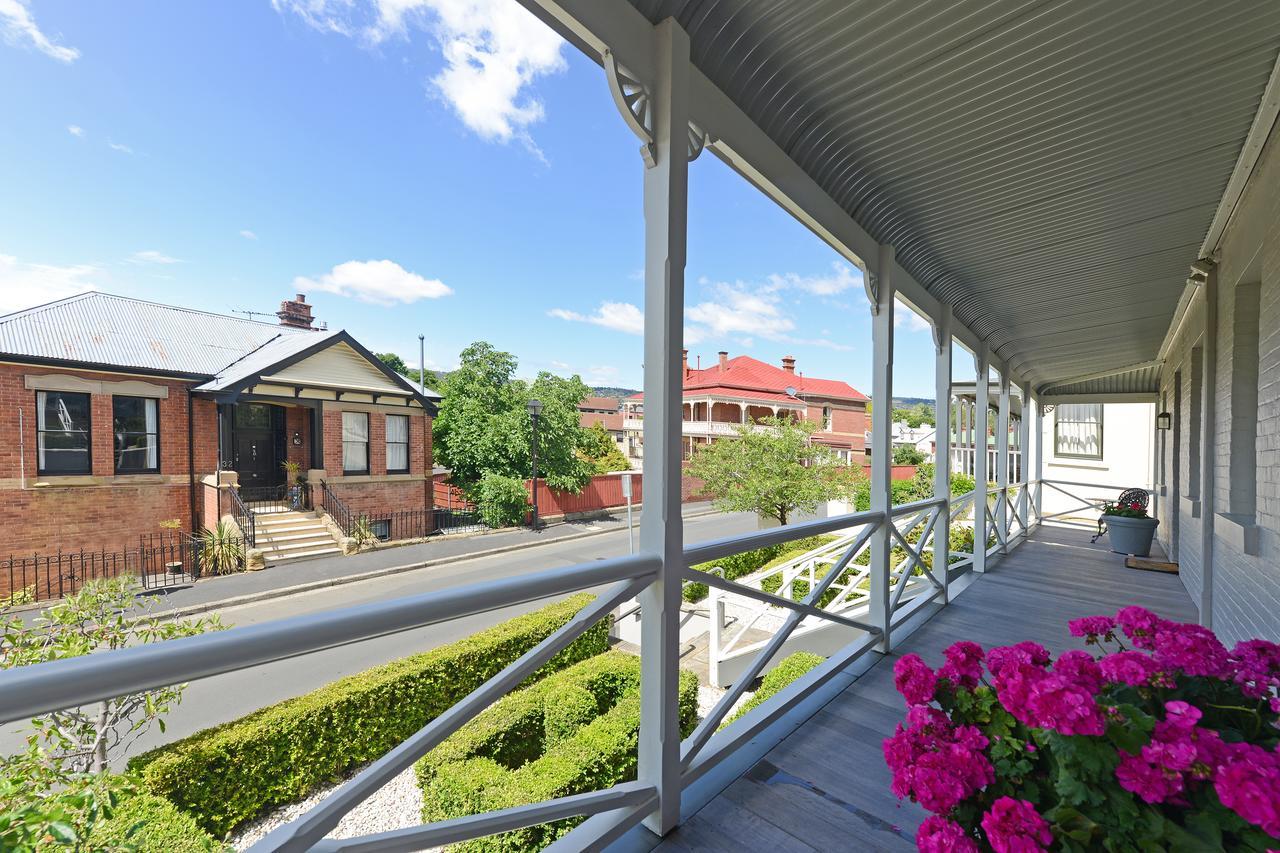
{"x":743,"y":390}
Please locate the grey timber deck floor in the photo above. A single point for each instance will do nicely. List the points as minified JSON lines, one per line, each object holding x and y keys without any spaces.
{"x":826,"y":787}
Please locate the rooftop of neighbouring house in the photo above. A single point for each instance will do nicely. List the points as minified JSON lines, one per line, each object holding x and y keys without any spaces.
{"x":750,"y":378}
{"x":600,"y":404}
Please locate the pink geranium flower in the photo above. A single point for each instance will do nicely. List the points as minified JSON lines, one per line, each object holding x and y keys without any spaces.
{"x":1014,"y":826}
{"x":1248,"y":783}
{"x":1139,"y":625}
{"x":914,"y":680}
{"x":1091,"y":627}
{"x":964,"y":664}
{"x":939,"y":835}
{"x":1194,"y":649}
{"x":1132,"y":668}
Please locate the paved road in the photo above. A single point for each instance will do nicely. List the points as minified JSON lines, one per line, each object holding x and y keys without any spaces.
{"x":227,"y":697}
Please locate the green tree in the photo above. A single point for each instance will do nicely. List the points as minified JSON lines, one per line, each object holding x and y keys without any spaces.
{"x":907,"y":454}
{"x":914,"y":416}
{"x":599,"y":448}
{"x":104,"y":614}
{"x":775,"y":472}
{"x":484,"y":428}
{"x":396,"y":363}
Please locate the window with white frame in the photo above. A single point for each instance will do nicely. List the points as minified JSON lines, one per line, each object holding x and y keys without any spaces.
{"x":63,"y":433}
{"x":1077,"y":430}
{"x":397,"y":444}
{"x":355,"y":443}
{"x":826,"y":417}
{"x":135,"y":424}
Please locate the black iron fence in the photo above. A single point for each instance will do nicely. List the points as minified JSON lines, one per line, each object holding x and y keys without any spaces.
{"x":337,"y":510}
{"x":280,"y":498}
{"x":446,"y":520}
{"x":243,"y":518}
{"x":160,"y":560}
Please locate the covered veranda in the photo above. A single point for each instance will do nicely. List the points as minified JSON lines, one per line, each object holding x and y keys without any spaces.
{"x":1048,"y":184}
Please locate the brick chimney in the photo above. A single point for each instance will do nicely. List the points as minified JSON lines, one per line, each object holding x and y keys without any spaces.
{"x":295,"y":312}
{"x":684,"y":360}
{"x":789,"y":363}
{"x":724,"y":360}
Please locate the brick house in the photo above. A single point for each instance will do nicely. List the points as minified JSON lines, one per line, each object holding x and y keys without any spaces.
{"x":118,"y":414}
{"x":743,"y":390}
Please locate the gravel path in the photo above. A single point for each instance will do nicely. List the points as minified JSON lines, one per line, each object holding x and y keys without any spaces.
{"x":397,"y":805}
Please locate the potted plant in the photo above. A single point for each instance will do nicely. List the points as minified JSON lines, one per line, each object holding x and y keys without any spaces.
{"x":293,"y":481}
{"x":1160,"y":739}
{"x":1129,"y":528}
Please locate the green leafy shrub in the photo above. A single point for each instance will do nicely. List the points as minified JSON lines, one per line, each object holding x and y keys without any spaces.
{"x":146,"y":823}
{"x":749,"y":562}
{"x":501,"y":501}
{"x":231,"y":773}
{"x":479,"y":770}
{"x":566,"y":711}
{"x":788,"y":670}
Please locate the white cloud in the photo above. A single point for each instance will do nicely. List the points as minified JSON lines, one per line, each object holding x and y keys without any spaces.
{"x":619,"y":316}
{"x":739,"y":310}
{"x":494,"y":50}
{"x":73,"y":129}
{"x":114,"y":146}
{"x":23,"y":285}
{"x":151,"y":256}
{"x":905,"y":317}
{"x":20,"y":28}
{"x":841,"y":278}
{"x":380,"y":282}
{"x":247,"y":234}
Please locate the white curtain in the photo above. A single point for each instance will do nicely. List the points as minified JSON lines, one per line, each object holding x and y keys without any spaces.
{"x":150,"y":410}
{"x":397,"y":443}
{"x":1079,"y":429}
{"x":355,"y":441}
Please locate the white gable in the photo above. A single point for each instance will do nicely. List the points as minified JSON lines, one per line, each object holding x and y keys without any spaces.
{"x":338,"y":366}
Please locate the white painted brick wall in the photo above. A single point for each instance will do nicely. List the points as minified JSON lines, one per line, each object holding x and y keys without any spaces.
{"x":1246,"y":589}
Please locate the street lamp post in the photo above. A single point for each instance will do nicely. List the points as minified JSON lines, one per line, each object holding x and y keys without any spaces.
{"x":535,"y":409}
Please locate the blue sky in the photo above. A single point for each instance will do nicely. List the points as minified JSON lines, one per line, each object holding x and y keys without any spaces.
{"x":444,"y":167}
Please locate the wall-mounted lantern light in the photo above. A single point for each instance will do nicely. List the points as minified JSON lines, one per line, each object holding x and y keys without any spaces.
{"x":1164,"y":420}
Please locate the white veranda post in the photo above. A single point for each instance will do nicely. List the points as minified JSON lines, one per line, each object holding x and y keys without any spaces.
{"x":1002,"y":464}
{"x":1024,"y":457}
{"x":1039,"y":469}
{"x":942,"y":444}
{"x":981,"y":418}
{"x":882,"y":440}
{"x":661,"y":531}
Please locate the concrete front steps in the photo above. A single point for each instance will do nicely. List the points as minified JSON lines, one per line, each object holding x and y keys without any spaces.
{"x":290,"y":535}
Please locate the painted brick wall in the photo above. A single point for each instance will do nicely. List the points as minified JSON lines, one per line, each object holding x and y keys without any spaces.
{"x":297,"y":420}
{"x":1245,"y":588}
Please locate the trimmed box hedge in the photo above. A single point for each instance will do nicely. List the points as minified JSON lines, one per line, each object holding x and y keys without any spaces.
{"x":788,"y":670}
{"x":161,"y":828}
{"x":523,"y":751}
{"x":230,"y":774}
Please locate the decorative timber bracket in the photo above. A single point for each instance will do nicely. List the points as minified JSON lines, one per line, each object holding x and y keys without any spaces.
{"x":870,"y":282}
{"x":635,"y":103}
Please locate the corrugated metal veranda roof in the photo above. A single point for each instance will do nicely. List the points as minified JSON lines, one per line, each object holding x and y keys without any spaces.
{"x":1049,"y":169}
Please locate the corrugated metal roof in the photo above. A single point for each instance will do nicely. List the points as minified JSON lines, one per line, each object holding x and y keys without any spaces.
{"x":264,"y":358}
{"x":1143,"y":380}
{"x":116,"y":331}
{"x":1047,"y":168}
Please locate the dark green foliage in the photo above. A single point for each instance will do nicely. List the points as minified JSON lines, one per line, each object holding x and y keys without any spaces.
{"x":907,"y":454}
{"x":787,"y":671}
{"x":157,"y":827}
{"x":598,"y":448}
{"x":501,"y":501}
{"x":229,"y":774}
{"x":503,"y":759}
{"x":566,"y":711}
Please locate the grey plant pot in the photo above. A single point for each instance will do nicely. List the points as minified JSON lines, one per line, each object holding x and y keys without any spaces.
{"x":1131,"y":535}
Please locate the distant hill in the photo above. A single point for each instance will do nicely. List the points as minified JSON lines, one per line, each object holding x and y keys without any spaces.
{"x":611,"y":391}
{"x":908,"y":402}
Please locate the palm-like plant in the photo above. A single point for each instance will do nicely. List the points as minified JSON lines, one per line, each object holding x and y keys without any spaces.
{"x":362,"y":532}
{"x":221,"y":550}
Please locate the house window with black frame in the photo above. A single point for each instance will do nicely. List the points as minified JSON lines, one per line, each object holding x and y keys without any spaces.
{"x":355,"y":443}
{"x":135,"y":423}
{"x":1077,"y":431}
{"x":397,"y":444}
{"x":63,"y":433}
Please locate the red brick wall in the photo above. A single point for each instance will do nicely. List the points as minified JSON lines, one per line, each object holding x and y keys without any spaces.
{"x":101,"y":511}
{"x":297,"y":419}
{"x":848,"y":424}
{"x":419,"y":443}
{"x":383,"y":498}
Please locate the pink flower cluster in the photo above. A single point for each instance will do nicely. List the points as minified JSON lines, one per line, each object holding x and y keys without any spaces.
{"x":1061,"y":699}
{"x":1179,"y":752}
{"x":1255,"y":668}
{"x":1092,"y":627}
{"x":936,"y":763}
{"x":1248,"y":783}
{"x":1014,"y":826}
{"x":913,"y":678}
{"x":939,"y":835}
{"x":964,"y":664}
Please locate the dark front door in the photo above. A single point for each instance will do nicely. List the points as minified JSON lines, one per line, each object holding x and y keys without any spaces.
{"x":257,"y":430}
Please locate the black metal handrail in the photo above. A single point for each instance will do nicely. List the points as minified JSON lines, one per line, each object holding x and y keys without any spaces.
{"x":337,"y":510}
{"x":244,"y":518}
